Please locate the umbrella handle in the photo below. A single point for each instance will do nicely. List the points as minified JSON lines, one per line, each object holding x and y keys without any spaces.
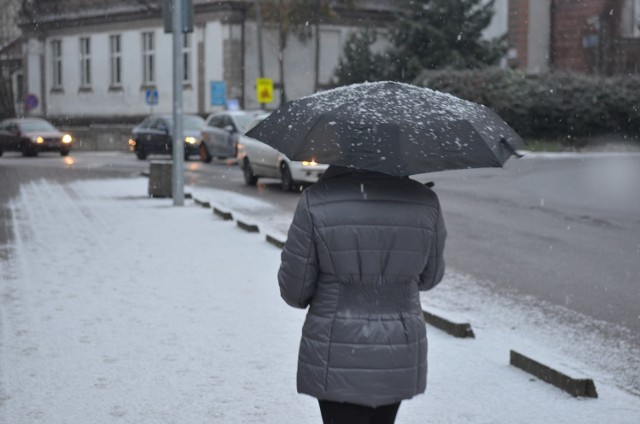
{"x":504,"y":142}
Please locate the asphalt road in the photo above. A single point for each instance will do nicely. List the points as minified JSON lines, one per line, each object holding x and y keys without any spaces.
{"x":563,"y":229}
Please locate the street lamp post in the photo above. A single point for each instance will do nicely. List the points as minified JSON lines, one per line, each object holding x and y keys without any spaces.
{"x":178,"y":143}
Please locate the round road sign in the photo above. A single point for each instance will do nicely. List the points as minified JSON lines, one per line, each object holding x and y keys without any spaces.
{"x":30,"y":101}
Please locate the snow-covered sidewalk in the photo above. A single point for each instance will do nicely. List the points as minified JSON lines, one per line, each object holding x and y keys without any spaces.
{"x":117,"y":308}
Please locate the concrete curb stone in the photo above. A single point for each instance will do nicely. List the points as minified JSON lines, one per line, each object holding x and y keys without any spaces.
{"x":225,"y":215}
{"x":576,"y":387}
{"x":251,"y":228}
{"x":202,"y":203}
{"x":462,"y":330}
{"x":276,"y":242}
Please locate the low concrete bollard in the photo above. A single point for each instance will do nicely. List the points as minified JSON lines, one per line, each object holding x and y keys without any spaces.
{"x":227,"y":216}
{"x":276,"y":242}
{"x":251,"y":228}
{"x":461,"y":330}
{"x":202,"y":203}
{"x":584,"y":387}
{"x":160,"y":175}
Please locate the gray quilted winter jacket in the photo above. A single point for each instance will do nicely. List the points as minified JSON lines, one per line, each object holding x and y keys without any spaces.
{"x":360,"y":248}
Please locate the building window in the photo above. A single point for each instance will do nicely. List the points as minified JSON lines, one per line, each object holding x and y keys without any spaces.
{"x":85,"y":62}
{"x":115,"y":59}
{"x":56,"y":56}
{"x":186,"y":59}
{"x":148,"y":59}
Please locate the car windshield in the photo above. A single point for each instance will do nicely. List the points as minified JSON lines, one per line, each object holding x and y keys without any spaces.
{"x":192,"y":122}
{"x":189,"y":122}
{"x":243,"y":120}
{"x":30,"y":126}
{"x":254,"y":122}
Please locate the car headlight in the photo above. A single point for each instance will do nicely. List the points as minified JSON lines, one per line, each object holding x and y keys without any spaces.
{"x":39,"y":140}
{"x":309,"y":163}
{"x":190,"y":140}
{"x":67,"y":139}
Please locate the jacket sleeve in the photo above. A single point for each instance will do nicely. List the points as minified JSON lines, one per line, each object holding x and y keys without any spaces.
{"x":299,"y":263}
{"x":434,"y":270}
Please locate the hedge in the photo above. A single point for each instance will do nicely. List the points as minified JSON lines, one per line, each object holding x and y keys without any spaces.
{"x":550,"y":105}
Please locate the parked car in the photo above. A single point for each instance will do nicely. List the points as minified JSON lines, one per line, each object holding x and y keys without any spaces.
{"x":32,"y":136}
{"x":154,"y":135}
{"x":221,"y":132}
{"x":259,"y":160}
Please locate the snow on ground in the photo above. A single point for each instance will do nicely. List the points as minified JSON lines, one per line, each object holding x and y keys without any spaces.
{"x":117,"y":308}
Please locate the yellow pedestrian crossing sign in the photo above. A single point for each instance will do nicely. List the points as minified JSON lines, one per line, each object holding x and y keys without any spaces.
{"x":264,"y":90}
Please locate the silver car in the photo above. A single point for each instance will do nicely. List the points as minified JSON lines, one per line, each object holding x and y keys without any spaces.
{"x":219,"y":136}
{"x":259,"y":160}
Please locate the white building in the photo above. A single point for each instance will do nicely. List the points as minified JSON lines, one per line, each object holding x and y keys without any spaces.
{"x":97,"y":60}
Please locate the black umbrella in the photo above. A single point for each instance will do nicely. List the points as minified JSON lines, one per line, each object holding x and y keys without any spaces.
{"x":389,"y":127}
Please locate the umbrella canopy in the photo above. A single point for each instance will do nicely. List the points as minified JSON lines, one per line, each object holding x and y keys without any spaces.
{"x":389,"y":127}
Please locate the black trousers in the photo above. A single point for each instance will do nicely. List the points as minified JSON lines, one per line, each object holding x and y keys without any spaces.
{"x":349,"y":413}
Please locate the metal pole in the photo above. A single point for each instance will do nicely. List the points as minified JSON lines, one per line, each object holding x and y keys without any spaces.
{"x":259,"y":24}
{"x":178,"y":141}
{"x":260,"y":53}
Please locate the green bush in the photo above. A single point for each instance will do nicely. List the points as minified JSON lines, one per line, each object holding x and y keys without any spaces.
{"x":551,"y":105}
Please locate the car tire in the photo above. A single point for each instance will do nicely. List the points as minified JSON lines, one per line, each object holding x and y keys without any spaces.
{"x":205,"y":157}
{"x":1,"y":152}
{"x":64,"y":152}
{"x":250,"y":178}
{"x":140,"y":153}
{"x":286,"y":180}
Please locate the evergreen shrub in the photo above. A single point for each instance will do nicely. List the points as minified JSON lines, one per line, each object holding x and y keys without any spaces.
{"x":553,"y":105}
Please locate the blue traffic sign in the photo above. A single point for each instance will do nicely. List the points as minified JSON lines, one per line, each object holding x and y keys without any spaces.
{"x":218,"y":93}
{"x":30,"y":101}
{"x":151,"y":97}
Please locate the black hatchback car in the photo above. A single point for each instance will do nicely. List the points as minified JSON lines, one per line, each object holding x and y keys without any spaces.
{"x":32,"y":136}
{"x":154,"y":135}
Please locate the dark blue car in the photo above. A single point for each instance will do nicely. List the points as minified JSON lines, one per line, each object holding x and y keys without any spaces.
{"x":154,"y":135}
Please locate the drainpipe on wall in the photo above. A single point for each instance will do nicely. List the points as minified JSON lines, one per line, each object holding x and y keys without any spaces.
{"x":43,"y":76}
{"x":242,"y":57}
{"x":25,"y":79}
{"x":199,"y":35}
{"x":552,"y":34}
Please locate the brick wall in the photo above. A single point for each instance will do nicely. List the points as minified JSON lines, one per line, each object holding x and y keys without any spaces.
{"x":585,"y":36}
{"x":627,"y":56}
{"x":518,"y":32}
{"x":581,"y":31}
